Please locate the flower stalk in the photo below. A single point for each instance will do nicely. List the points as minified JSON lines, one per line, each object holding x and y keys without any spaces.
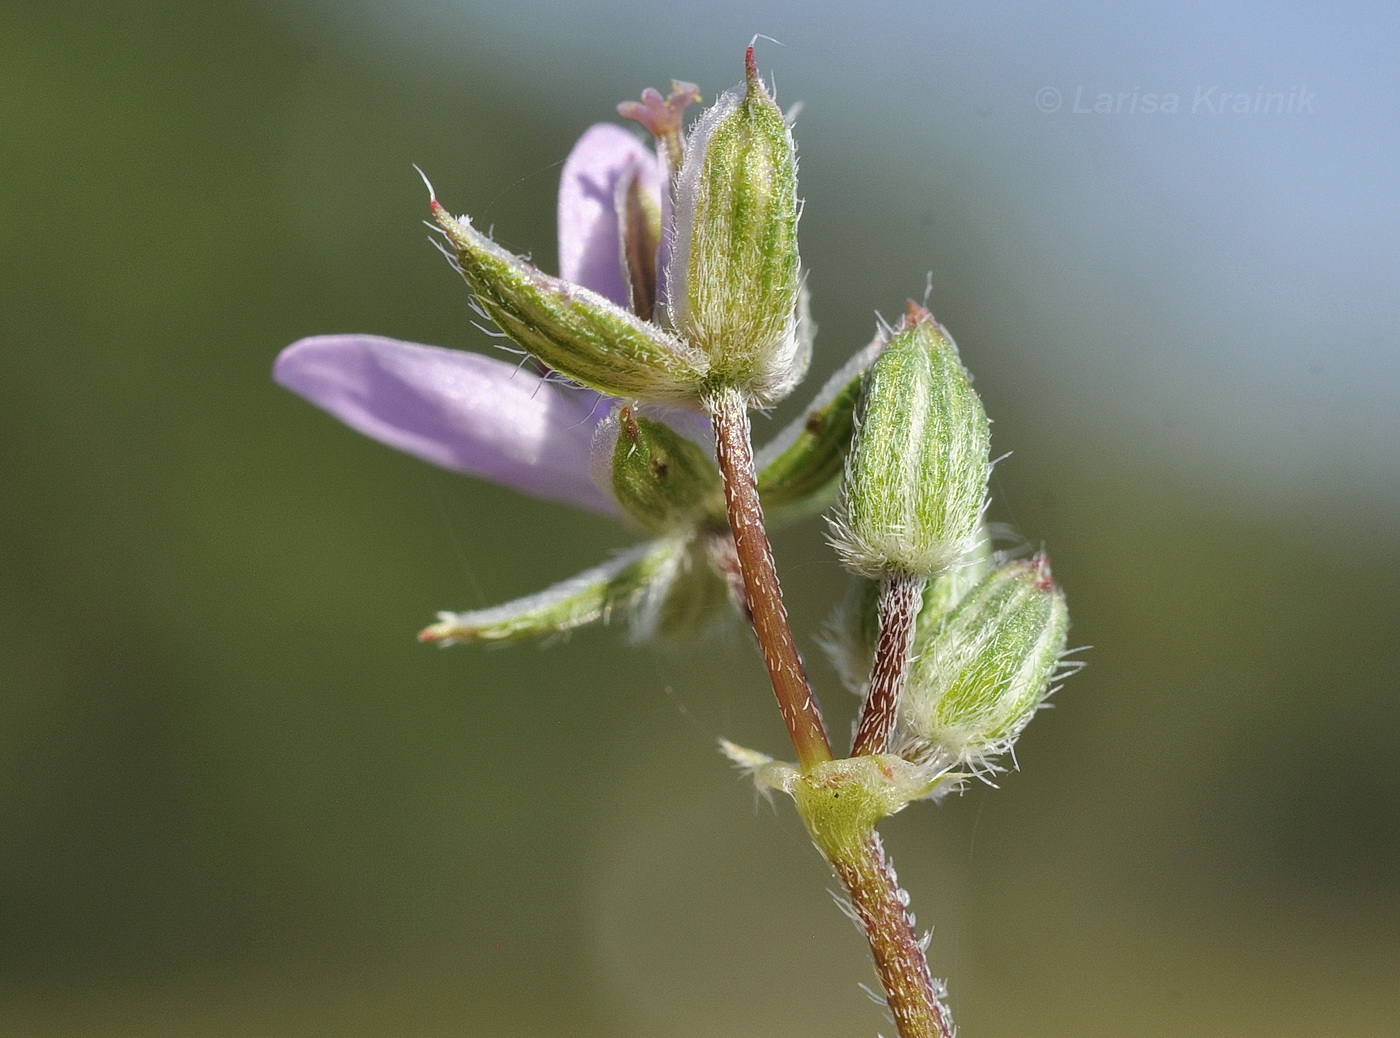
{"x":901,"y":594}
{"x":877,"y":902}
{"x":796,"y":701}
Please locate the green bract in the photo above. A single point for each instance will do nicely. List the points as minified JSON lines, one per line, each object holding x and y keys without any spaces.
{"x":917,"y":476}
{"x":979,"y":674}
{"x":841,"y":800}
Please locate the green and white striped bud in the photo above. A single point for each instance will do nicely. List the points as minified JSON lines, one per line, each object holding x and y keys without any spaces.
{"x":733,"y":280}
{"x":662,"y":479}
{"x":978,"y":675}
{"x":916,"y":479}
{"x":571,"y":329}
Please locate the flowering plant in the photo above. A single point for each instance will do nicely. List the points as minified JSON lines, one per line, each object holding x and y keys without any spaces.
{"x":680,"y":306}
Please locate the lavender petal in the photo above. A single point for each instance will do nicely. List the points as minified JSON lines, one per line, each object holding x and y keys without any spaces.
{"x":459,"y":410}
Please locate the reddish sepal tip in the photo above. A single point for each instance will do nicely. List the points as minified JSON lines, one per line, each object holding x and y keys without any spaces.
{"x":1044,"y":579}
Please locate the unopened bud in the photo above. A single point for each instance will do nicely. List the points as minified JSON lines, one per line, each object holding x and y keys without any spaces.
{"x":662,"y":479}
{"x":734,"y":280}
{"x":981,"y":673}
{"x":916,"y":479}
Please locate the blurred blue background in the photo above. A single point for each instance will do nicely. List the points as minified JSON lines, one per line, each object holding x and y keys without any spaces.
{"x":237,"y":798}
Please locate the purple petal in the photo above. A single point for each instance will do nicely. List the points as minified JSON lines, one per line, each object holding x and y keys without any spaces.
{"x":590,"y":253}
{"x":460,"y":410}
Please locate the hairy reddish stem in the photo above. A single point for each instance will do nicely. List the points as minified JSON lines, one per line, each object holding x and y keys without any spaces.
{"x":898,"y":954}
{"x":875,"y":895}
{"x":900,"y":597}
{"x":796,"y":700}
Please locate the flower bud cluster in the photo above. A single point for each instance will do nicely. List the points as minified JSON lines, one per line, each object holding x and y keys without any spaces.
{"x":682,"y":286}
{"x":732,"y":284}
{"x":681,"y":295}
{"x":987,"y":639}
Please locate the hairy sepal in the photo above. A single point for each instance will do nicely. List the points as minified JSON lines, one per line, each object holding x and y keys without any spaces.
{"x":570,"y":329}
{"x":665,"y":588}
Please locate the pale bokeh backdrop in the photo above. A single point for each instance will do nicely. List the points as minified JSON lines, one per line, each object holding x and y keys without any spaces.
{"x":236,"y":798}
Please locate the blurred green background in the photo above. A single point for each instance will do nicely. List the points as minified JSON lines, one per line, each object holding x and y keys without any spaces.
{"x":237,"y":798}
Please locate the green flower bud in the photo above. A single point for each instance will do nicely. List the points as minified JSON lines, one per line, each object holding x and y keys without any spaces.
{"x":662,"y":479}
{"x":571,"y":329}
{"x":733,"y":279}
{"x":981,"y":673}
{"x":916,"y":479}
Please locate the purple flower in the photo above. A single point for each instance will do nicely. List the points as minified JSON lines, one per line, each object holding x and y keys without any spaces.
{"x":480,"y":415}
{"x":606,"y":165}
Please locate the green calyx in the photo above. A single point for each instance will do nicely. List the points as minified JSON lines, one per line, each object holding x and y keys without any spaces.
{"x":981,"y":673}
{"x":734,"y":269}
{"x":570,"y":329}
